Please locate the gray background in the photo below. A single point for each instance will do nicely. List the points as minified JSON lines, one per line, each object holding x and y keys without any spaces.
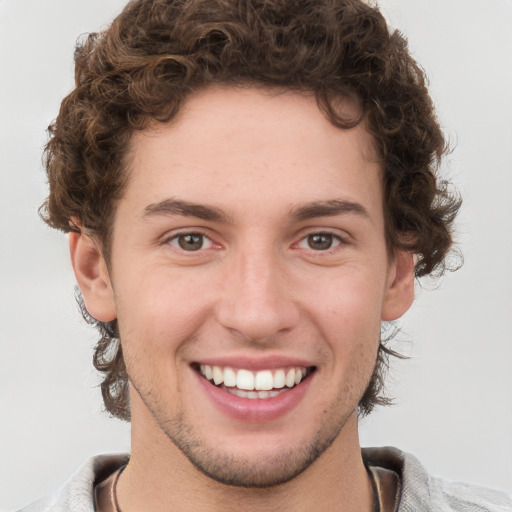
{"x":453,"y":397}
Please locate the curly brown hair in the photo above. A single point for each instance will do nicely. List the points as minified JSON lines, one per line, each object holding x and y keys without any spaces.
{"x":157,"y":53}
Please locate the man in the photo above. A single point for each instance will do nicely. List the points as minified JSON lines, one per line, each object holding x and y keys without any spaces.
{"x":250,"y":189}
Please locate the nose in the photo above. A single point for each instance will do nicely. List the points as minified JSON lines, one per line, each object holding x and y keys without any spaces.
{"x":257,"y":297}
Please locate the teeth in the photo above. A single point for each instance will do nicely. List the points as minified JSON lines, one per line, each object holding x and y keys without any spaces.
{"x":207,"y":371}
{"x":290,"y":378}
{"x":279,"y":379}
{"x":244,"y":379}
{"x":264,"y":383}
{"x":254,"y":394}
{"x":264,"y":380}
{"x":217,"y":375}
{"x":229,"y":377}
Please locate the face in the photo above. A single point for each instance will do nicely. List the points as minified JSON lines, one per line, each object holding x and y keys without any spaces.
{"x":249,"y":275}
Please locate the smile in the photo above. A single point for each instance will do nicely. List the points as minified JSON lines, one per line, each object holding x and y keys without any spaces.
{"x":254,"y":385}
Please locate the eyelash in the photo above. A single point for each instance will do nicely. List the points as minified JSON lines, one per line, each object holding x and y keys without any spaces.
{"x":333,"y":241}
{"x":176,"y":238}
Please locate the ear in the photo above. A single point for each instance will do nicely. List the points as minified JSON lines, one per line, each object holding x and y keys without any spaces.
{"x":400,"y":290}
{"x":92,"y":276}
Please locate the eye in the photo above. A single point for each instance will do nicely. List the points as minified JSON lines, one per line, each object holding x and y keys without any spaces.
{"x":320,"y":241}
{"x":191,"y":242}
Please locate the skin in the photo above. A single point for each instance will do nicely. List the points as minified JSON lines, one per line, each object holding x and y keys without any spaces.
{"x":258,"y":289}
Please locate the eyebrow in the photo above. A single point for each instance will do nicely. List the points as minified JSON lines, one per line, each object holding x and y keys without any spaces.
{"x":328,"y":209}
{"x":185,"y":209}
{"x":210,"y":213}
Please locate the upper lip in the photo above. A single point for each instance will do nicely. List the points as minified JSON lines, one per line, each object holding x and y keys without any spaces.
{"x":268,"y":362}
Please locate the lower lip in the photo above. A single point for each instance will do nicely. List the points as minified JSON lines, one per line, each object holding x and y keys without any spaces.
{"x":255,"y":410}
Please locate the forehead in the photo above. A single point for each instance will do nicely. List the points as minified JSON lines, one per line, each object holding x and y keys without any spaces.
{"x":230,"y":145}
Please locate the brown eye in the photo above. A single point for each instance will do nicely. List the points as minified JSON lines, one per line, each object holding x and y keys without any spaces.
{"x":190,"y":242}
{"x":320,"y":241}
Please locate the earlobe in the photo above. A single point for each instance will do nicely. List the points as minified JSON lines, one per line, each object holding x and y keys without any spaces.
{"x":400,"y":292}
{"x":92,"y":276}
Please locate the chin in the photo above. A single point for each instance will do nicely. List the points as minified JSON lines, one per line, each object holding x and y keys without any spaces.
{"x":253,"y":471}
{"x":229,"y":465}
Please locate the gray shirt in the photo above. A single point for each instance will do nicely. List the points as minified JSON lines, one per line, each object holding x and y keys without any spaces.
{"x":419,"y":491}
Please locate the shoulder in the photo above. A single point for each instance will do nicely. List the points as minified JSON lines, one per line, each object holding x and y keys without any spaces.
{"x":470,"y":498}
{"x":421,"y":492}
{"x":77,"y":494}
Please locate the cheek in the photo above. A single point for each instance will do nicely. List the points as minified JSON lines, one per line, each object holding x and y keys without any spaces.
{"x":351,"y":305}
{"x":160,"y":310}
{"x":348,"y":314}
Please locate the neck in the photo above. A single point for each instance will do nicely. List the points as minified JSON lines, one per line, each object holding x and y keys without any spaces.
{"x":159,"y":477}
